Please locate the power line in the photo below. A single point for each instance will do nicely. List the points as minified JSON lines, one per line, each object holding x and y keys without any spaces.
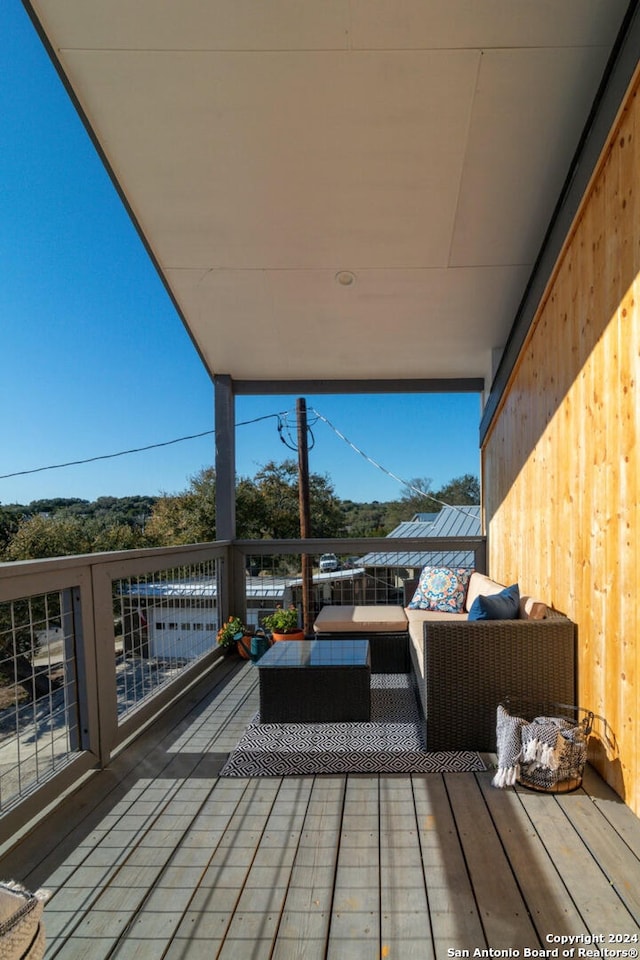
{"x":104,"y":456}
{"x":283,"y":426}
{"x":378,"y":466}
{"x":291,"y":443}
{"x":124,"y":453}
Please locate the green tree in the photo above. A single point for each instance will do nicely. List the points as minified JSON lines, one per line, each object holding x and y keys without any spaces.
{"x":56,"y":504}
{"x":267,"y":507}
{"x":174,"y":520}
{"x":44,"y":536}
{"x":8,"y":526}
{"x":417,"y":497}
{"x":188,"y":517}
{"x":62,"y":534}
{"x":461,"y":491}
{"x":366,"y":519}
{"x":116,"y":536}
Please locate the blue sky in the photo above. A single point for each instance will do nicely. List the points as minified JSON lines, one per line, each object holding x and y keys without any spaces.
{"x":95,"y":359}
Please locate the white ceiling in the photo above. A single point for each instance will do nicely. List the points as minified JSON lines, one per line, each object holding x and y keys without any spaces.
{"x":264,"y":147}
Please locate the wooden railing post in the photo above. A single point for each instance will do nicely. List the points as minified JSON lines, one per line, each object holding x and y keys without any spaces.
{"x":232,"y":587}
{"x":225,"y":458}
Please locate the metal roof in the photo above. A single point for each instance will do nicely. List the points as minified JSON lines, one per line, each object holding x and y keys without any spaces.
{"x":450,"y":522}
{"x":256,"y":588}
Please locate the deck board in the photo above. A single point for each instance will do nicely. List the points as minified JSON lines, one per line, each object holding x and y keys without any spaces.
{"x":502,"y":910}
{"x":405,"y":930}
{"x":453,"y":911}
{"x":618,"y":863}
{"x":158,"y":858}
{"x":355,"y":918}
{"x":551,"y":908}
{"x":585,"y":880}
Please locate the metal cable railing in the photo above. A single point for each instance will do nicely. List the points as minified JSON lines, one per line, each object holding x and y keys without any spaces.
{"x":93,"y":647}
{"x":163,"y":621}
{"x":39,"y":719}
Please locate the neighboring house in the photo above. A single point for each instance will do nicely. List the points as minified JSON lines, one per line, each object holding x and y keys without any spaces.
{"x":179,"y":620}
{"x":348,"y":586}
{"x":378,"y":577}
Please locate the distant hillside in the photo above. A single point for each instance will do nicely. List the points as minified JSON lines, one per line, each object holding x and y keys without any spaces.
{"x":133,"y":510}
{"x":123,"y":523}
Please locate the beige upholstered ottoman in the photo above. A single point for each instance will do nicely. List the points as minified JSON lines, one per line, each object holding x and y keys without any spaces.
{"x":386,"y":629}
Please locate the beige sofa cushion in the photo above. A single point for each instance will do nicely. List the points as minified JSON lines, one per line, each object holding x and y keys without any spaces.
{"x":420,"y":616}
{"x":481,"y":585}
{"x":369,"y":619}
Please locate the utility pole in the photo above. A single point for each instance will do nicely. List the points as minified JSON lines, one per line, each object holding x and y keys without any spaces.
{"x":305,"y":513}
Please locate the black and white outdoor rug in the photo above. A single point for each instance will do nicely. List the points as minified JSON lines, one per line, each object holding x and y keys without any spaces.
{"x":391,"y":742}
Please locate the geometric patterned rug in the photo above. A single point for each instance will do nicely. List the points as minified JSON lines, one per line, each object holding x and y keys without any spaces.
{"x":391,"y":742}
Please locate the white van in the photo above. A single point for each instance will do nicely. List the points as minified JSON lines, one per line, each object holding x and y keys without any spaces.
{"x":328,"y":563}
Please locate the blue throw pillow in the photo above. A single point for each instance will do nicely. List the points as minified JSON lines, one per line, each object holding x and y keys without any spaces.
{"x":500,"y":606}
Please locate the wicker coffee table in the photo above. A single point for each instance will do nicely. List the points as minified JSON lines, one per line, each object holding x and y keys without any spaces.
{"x":315,"y":681}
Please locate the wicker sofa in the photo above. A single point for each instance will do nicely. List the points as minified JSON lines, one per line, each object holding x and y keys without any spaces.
{"x":465,"y":668}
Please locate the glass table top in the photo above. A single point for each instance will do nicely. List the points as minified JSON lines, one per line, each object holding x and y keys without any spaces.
{"x":316,"y":653}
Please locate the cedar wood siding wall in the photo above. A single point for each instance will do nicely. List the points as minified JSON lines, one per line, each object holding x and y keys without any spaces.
{"x":560,"y":460}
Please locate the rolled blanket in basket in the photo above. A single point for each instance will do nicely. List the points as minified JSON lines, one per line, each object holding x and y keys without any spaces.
{"x":554,"y":751}
{"x":538,"y":751}
{"x":542,"y":741}
{"x":509,"y":748}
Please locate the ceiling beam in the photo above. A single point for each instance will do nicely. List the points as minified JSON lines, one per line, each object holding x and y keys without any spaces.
{"x":301,"y":387}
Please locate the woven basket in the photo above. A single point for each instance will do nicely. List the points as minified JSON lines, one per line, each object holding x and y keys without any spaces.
{"x":573,"y":756}
{"x":21,"y":926}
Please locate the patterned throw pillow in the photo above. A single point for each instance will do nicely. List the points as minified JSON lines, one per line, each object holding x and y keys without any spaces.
{"x":441,"y":588}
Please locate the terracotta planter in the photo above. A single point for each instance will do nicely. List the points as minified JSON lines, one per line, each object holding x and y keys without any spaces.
{"x":292,"y":635}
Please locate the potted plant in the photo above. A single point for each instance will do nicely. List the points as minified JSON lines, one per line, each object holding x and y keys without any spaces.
{"x":283,"y":624}
{"x":229,"y":633}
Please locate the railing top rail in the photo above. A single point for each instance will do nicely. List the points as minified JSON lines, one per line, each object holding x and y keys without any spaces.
{"x":361,"y":544}
{"x":31,"y":576}
{"x":133,"y":561}
{"x":15,"y":567}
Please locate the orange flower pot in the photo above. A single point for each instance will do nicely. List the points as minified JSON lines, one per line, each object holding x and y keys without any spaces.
{"x":293,"y":635}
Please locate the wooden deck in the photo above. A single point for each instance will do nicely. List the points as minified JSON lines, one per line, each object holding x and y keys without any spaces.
{"x":156,"y":857}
